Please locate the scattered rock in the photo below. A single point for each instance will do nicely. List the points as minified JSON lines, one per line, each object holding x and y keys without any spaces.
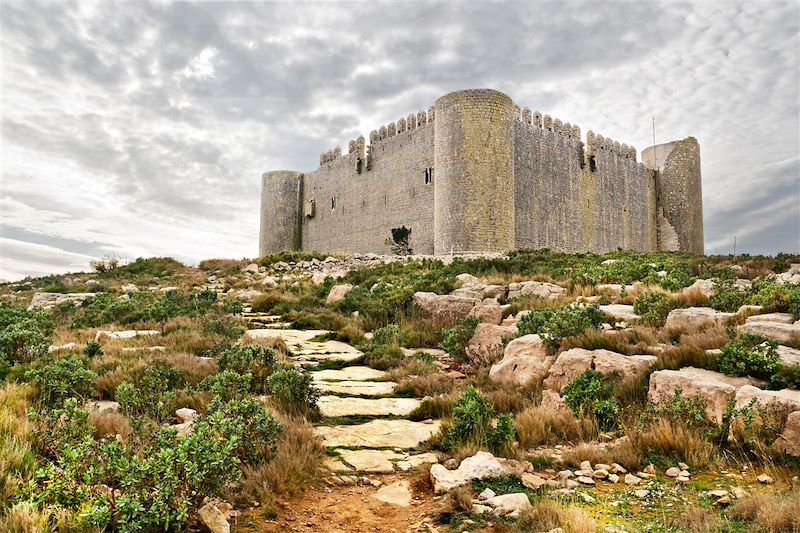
{"x":715,"y":388}
{"x":395,"y":494}
{"x":338,"y":293}
{"x":269,"y":281}
{"x":620,"y":312}
{"x":524,"y":359}
{"x":128,"y":334}
{"x":765,"y":479}
{"x":186,"y":415}
{"x":247,"y":295}
{"x":510,"y":503}
{"x":48,"y":300}
{"x":673,"y":472}
{"x":447,"y":308}
{"x":696,"y":317}
{"x":533,"y":481}
{"x":641,"y":493}
{"x":586,"y":480}
{"x":479,"y":466}
{"x":630,"y":479}
{"x":486,"y":344}
{"x":790,"y":276}
{"x":214,"y":519}
{"x":58,"y":348}
{"x":130,"y":287}
{"x":486,"y":494}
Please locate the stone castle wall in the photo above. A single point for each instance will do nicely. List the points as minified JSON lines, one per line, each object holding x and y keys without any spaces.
{"x":575,"y":197}
{"x":476,"y":173}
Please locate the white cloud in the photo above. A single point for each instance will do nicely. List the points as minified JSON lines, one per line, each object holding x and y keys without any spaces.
{"x":142,"y":128}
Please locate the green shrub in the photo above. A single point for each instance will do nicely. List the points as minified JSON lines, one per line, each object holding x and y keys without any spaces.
{"x":228,"y":385}
{"x":677,"y":408}
{"x":62,"y":379}
{"x":654,"y":307}
{"x":390,"y":335}
{"x":93,"y":349}
{"x":776,"y":297}
{"x":591,"y":394}
{"x":786,"y":377}
{"x":151,"y":393}
{"x":384,"y":357}
{"x":254,"y":428}
{"x":727,"y":297}
{"x":472,"y":424}
{"x":455,"y":339}
{"x":554,"y":325}
{"x":292,"y":392}
{"x":24,"y":335}
{"x":249,"y":358}
{"x":748,"y":355}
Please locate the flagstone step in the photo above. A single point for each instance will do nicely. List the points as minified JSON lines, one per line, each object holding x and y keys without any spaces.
{"x":379,"y":461}
{"x":350,"y":373}
{"x":404,"y":434}
{"x":357,"y":388}
{"x":333,"y":406}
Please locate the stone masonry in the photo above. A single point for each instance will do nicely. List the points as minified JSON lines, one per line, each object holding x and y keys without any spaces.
{"x":475,"y":173}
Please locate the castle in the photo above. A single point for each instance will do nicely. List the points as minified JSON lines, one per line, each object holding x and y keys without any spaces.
{"x":478,"y":174}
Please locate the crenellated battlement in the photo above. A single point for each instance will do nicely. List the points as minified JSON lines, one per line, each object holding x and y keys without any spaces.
{"x":476,"y":172}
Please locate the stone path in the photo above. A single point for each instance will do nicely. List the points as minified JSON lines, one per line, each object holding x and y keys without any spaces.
{"x":388,"y":443}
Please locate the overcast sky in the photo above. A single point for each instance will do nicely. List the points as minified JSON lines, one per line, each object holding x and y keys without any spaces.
{"x":141,"y":129}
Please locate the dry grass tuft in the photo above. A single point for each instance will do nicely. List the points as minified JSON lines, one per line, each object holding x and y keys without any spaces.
{"x":698,"y":520}
{"x":427,"y":385}
{"x":297,"y":464}
{"x":194,"y":369}
{"x":635,"y":341}
{"x":24,"y":517}
{"x":108,"y":423}
{"x":692,"y":298}
{"x":550,"y":514}
{"x":457,"y":502}
{"x":539,"y":425}
{"x":510,"y":400}
{"x":771,"y":513}
{"x":274,"y":343}
{"x":16,"y":461}
{"x":672,"y":439}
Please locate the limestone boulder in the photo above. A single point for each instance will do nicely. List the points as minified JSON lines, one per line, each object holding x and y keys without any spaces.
{"x":572,"y":363}
{"x":548,"y":291}
{"x":486,"y":344}
{"x":695,"y":317}
{"x":789,"y":440}
{"x":553,"y":401}
{"x":786,"y":397}
{"x":788,"y":356}
{"x":715,"y":388}
{"x":129,"y":287}
{"x":480,"y":466}
{"x":620,"y":312}
{"x":126,"y":334}
{"x":247,"y":295}
{"x":465,"y":280}
{"x":213,"y":518}
{"x":490,"y":312}
{"x":445,"y":307}
{"x":705,"y":286}
{"x":49,"y":300}
{"x":338,"y":293}
{"x":252,"y":268}
{"x":514,"y":503}
{"x":790,"y":276}
{"x":185,"y":414}
{"x":524,"y":359}
{"x":779,"y":331}
{"x":780,"y":318}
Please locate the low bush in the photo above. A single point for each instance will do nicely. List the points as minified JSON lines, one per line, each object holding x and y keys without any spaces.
{"x":592,"y":394}
{"x":456,"y":339}
{"x":254,"y":429}
{"x":390,"y":335}
{"x":776,"y":297}
{"x":748,"y":355}
{"x":63,"y":378}
{"x":727,"y":296}
{"x":93,"y":349}
{"x":554,"y":325}
{"x":292,"y":392}
{"x":786,"y":377}
{"x":654,"y":307}
{"x":384,"y":357}
{"x":24,"y":335}
{"x":151,"y":394}
{"x":228,"y":385}
{"x":249,"y":358}
{"x":472,"y":424}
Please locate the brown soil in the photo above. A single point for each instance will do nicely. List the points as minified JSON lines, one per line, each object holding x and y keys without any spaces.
{"x":348,"y":509}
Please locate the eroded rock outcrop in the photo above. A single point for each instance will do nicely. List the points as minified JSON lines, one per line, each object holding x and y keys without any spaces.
{"x":572,"y":363}
{"x":524,"y":359}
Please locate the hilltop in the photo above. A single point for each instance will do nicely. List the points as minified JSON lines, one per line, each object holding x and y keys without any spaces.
{"x":532,"y":391}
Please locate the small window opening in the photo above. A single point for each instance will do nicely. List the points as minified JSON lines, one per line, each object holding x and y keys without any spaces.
{"x":333,"y":203}
{"x":428,"y":176}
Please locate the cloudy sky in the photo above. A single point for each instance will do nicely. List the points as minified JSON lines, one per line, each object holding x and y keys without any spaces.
{"x":141,"y":129}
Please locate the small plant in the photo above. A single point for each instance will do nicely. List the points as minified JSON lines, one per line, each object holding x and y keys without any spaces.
{"x":727,"y":296}
{"x":62,"y":379}
{"x":256,"y":431}
{"x":249,"y":358}
{"x":93,"y":349}
{"x":748,"y":355}
{"x":399,"y":244}
{"x":228,"y":385}
{"x":151,"y":393}
{"x":654,"y":307}
{"x":292,"y":392}
{"x":591,"y":394}
{"x":556,"y":325}
{"x":390,"y":335}
{"x":455,"y":339}
{"x":472,"y":424}
{"x":24,"y":335}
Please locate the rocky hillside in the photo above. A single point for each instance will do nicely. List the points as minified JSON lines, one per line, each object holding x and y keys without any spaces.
{"x":534,"y":392}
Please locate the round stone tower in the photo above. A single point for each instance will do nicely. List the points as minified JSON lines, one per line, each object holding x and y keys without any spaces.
{"x":281,"y":192}
{"x":679,"y":194}
{"x":474,"y":172}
